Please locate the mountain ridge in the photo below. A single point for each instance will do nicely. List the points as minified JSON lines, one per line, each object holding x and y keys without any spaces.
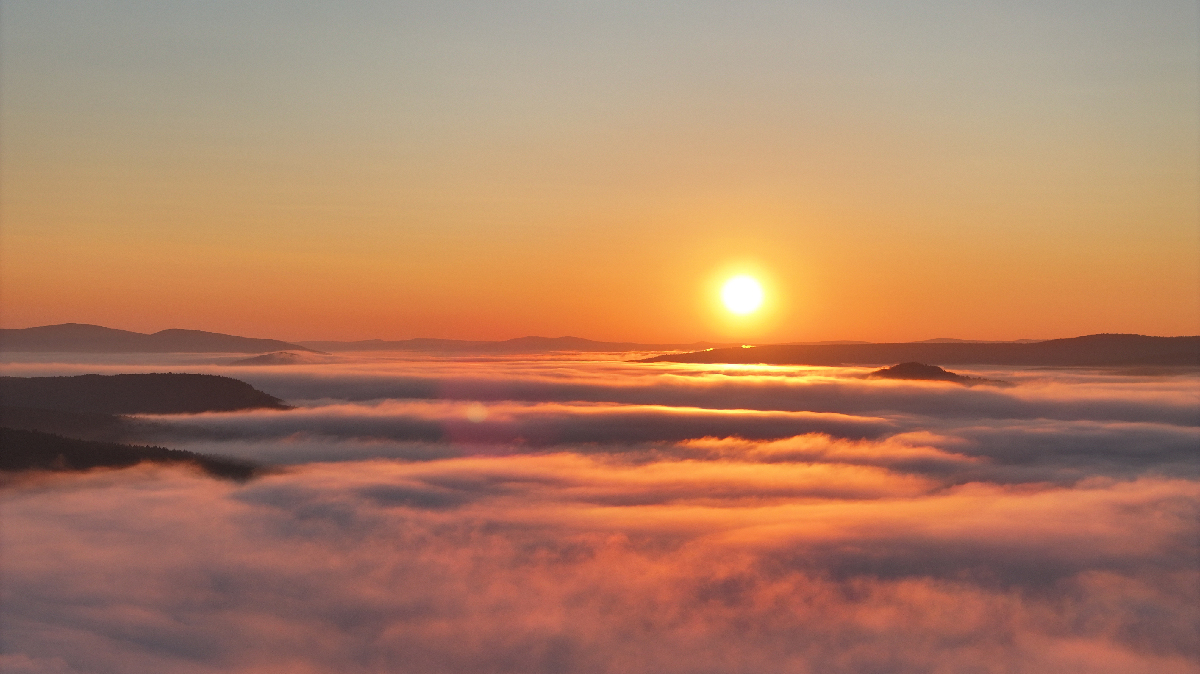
{"x":528,"y":344}
{"x":87,"y":338}
{"x":1100,"y":350}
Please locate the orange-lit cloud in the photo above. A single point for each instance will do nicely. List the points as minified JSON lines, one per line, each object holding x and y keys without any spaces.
{"x":568,"y":567}
{"x":598,"y":516}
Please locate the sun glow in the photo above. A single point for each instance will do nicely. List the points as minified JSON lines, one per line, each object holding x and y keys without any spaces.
{"x":742,"y":294}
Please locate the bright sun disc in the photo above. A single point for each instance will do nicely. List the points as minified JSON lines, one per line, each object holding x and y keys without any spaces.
{"x":742,"y":294}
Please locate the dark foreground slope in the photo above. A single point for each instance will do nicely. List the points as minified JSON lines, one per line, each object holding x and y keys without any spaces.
{"x":81,"y":425}
{"x":82,"y":338}
{"x":1090,"y":351}
{"x":134,"y":394}
{"x":32,"y":450}
{"x":71,"y":423}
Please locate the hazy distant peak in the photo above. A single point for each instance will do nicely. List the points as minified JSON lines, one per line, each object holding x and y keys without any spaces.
{"x":283,"y":358}
{"x":76,"y":328}
{"x":185,"y":332}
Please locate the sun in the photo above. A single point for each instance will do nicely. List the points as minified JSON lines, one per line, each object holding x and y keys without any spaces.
{"x":742,"y":294}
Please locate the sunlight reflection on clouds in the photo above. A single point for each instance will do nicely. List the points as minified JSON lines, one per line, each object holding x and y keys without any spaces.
{"x":594,"y":516}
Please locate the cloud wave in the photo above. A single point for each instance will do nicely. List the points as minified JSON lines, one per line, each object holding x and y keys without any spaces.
{"x":571,"y":516}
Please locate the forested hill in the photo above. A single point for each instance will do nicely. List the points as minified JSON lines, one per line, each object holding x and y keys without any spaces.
{"x":165,"y":393}
{"x":22,"y":450}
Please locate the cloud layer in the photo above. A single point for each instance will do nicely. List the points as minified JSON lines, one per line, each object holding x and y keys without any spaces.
{"x":569,"y":516}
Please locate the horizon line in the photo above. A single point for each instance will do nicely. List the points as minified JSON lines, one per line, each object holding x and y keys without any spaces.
{"x":734,"y":342}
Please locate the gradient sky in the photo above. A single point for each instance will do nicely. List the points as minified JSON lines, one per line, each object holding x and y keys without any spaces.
{"x":889,"y":170}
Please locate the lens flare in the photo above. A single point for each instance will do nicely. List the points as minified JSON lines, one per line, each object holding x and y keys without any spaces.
{"x":742,"y":294}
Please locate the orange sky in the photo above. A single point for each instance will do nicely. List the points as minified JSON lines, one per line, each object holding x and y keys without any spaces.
{"x":889,"y":173}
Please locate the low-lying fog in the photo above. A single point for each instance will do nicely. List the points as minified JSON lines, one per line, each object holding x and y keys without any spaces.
{"x":591,"y":515}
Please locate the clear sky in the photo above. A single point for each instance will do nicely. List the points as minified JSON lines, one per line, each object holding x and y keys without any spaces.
{"x":888,"y":170}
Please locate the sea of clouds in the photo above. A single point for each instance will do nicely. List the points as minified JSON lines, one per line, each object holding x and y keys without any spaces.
{"x":592,"y":515}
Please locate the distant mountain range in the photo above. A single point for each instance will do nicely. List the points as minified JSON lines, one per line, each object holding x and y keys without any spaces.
{"x":510,"y":346}
{"x":1104,"y":350}
{"x":82,"y":338}
{"x":1091,"y":350}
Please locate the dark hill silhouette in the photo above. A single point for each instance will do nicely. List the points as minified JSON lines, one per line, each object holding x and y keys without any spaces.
{"x":923,"y":372}
{"x":508,"y":346}
{"x":134,"y":393}
{"x":83,"y":425}
{"x":22,"y":450}
{"x":1105,"y":350}
{"x":918,"y":371}
{"x":82,"y":338}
